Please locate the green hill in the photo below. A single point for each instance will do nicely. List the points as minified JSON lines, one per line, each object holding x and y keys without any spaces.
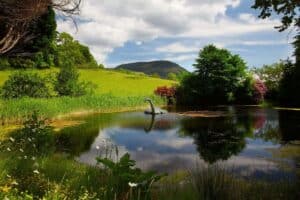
{"x":161,"y":67}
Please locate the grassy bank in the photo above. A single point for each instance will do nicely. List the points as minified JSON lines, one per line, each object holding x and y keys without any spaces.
{"x":115,"y":91}
{"x":16,"y":110}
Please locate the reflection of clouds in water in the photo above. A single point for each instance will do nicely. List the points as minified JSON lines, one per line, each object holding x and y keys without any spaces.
{"x":258,"y":168}
{"x":165,"y":151}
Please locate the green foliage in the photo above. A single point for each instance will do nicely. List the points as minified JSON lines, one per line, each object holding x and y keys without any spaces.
{"x":290,"y":84}
{"x":101,"y":66}
{"x":125,"y":175}
{"x":218,"y":76}
{"x":71,"y":52}
{"x":68,"y":84}
{"x":271,"y":75}
{"x":25,"y":84}
{"x":172,"y":76}
{"x":21,"y":63}
{"x":4,"y":63}
{"x":155,"y":75}
{"x":45,"y":29}
{"x":288,"y":10}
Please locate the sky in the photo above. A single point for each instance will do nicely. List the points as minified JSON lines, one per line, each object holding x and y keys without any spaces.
{"x":124,"y":31}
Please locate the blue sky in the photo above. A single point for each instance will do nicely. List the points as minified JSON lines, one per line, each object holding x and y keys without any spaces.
{"x":133,"y":30}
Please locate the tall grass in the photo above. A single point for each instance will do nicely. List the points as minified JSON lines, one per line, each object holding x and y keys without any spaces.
{"x":17,"y":110}
{"x":216,"y":182}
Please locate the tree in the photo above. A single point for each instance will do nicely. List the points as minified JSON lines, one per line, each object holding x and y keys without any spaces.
{"x":288,"y":10}
{"x":172,"y":76}
{"x":71,"y":52}
{"x":218,"y":76}
{"x":271,"y":75}
{"x":17,"y":16}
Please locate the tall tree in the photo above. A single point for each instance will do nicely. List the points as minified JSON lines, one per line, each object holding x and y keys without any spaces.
{"x":219,"y":74}
{"x":17,"y":16}
{"x":289,"y":12}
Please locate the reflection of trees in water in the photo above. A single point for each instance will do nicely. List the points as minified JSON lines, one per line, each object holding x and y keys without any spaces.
{"x":216,"y":138}
{"x":289,"y":124}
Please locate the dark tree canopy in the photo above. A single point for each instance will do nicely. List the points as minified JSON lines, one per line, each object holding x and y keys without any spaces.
{"x":289,"y":10}
{"x":219,"y":74}
{"x":18,"y":16}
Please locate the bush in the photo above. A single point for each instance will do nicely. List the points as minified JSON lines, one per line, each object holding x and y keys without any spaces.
{"x":21,"y":63}
{"x":4,"y":63}
{"x":67,"y":83}
{"x":259,"y":92}
{"x":166,"y":92}
{"x":25,"y":84}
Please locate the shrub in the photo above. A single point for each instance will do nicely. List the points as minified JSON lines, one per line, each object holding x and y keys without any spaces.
{"x":4,"y":63}
{"x":67,"y":83}
{"x":167,"y":93}
{"x":40,"y":61}
{"x":21,"y":63}
{"x":259,"y":92}
{"x":25,"y":84}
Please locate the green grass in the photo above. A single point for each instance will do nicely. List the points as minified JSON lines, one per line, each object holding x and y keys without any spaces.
{"x":16,"y":110}
{"x":108,"y":81}
{"x":217,"y":182}
{"x":115,"y":91}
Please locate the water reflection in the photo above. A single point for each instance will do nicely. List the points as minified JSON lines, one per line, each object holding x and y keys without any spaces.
{"x":246,"y":138}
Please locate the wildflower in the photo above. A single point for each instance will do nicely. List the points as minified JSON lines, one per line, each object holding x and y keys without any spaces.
{"x":36,"y":171}
{"x":8,"y":149}
{"x":21,"y":150}
{"x":33,"y":158}
{"x":15,"y":183}
{"x":12,"y":139}
{"x":5,"y":189}
{"x":29,"y":139}
{"x":132,"y":184}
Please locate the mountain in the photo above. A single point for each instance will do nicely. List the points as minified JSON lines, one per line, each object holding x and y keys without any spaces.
{"x":160,"y":67}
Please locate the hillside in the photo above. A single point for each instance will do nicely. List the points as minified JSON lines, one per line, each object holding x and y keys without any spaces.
{"x":154,"y":67}
{"x":116,"y":83}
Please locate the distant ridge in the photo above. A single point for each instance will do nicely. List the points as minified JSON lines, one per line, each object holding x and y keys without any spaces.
{"x":160,"y":67}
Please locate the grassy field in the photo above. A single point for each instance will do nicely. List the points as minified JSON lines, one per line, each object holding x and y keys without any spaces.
{"x":115,"y":91}
{"x":115,"y":83}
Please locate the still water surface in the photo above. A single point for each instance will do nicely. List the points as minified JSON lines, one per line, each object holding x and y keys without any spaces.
{"x":255,"y":142}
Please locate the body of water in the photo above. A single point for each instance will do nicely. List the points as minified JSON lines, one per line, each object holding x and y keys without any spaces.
{"x":254,"y":142}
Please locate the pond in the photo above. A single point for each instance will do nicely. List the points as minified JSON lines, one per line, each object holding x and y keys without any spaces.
{"x":255,"y":142}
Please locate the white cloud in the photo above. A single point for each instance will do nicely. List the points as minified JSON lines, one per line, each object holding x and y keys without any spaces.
{"x":180,"y":58}
{"x":177,"y":47}
{"x":108,"y":24}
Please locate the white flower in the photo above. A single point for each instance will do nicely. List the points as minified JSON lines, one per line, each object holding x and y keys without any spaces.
{"x":22,"y":150}
{"x":25,"y":157}
{"x":29,"y":139}
{"x":12,"y":139}
{"x":132,"y":184}
{"x":36,"y":171}
{"x":33,"y":158}
{"x":14,"y":183}
{"x":8,"y":149}
{"x":97,"y":147}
